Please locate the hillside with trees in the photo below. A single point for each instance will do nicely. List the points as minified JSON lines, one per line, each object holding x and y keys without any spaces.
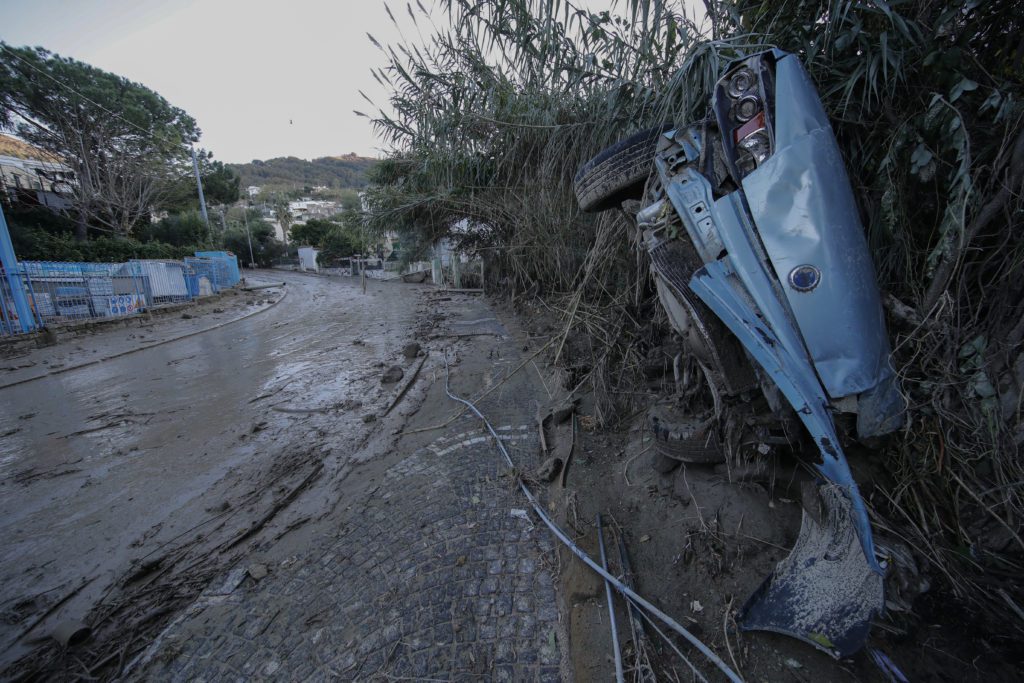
{"x":291,"y":173}
{"x":129,"y":152}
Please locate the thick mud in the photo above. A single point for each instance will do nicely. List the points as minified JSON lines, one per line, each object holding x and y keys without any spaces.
{"x":253,"y":501}
{"x":119,"y":474}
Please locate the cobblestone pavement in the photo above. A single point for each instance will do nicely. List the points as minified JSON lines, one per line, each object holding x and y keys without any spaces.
{"x":432,"y":573}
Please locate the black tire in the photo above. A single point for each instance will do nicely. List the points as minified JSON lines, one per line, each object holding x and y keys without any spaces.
{"x":619,"y":172}
{"x":663,"y":464}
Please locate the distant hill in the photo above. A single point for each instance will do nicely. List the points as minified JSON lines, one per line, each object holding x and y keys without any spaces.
{"x":291,"y":172}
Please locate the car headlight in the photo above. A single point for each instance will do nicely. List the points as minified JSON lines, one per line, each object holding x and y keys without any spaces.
{"x":745,"y":108}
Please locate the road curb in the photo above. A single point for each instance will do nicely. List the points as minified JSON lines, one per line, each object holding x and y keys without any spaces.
{"x":97,"y":361}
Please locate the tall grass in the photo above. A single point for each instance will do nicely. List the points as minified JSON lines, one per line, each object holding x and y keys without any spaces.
{"x":494,"y":112}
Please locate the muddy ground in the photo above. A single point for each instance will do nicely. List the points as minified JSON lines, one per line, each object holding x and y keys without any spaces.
{"x":174,"y":498}
{"x":702,"y":538}
{"x":160,"y":462}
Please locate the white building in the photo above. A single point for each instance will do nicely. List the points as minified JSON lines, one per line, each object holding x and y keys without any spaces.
{"x":253,"y":190}
{"x":307,"y":259}
{"x":307,"y":208}
{"x":48,"y":183}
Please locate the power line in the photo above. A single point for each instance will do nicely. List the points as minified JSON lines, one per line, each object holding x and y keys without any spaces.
{"x":150,"y":134}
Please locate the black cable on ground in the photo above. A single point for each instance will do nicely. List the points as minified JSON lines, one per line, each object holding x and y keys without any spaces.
{"x":622,"y":588}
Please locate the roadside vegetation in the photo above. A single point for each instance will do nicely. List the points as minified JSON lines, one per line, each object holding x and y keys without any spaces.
{"x":491,"y":115}
{"x":336,"y":238}
{"x":340,"y":175}
{"x":129,"y":150}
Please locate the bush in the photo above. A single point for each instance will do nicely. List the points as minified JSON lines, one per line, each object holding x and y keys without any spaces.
{"x":335,"y":239}
{"x":178,"y":229}
{"x":32,"y":244}
{"x":265,"y":247}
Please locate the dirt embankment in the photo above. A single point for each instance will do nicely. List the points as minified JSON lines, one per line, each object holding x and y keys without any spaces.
{"x":701,"y":539}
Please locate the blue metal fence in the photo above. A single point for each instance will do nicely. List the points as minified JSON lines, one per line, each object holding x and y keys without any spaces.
{"x":64,"y":291}
{"x":60,"y":292}
{"x":227,"y":266}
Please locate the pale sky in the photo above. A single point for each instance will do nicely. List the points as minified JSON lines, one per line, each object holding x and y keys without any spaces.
{"x":262,"y":78}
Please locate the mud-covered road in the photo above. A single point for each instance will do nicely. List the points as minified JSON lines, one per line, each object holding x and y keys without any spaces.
{"x":106,"y":468}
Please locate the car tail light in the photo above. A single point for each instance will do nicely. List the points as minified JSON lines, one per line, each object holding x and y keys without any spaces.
{"x":744,"y":115}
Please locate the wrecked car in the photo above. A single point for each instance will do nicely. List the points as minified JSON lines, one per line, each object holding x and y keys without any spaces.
{"x":760,"y":262}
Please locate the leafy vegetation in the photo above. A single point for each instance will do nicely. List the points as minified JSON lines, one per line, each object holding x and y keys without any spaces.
{"x":492,"y":117}
{"x":336,"y":239}
{"x":246,"y":228}
{"x":177,"y":229}
{"x":126,"y":144}
{"x":41,"y":235}
{"x":291,"y":174}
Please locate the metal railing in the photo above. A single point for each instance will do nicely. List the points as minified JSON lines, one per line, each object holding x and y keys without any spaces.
{"x":61,"y":292}
{"x":65,"y":291}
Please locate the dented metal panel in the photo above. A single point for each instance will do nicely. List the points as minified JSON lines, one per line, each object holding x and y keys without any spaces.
{"x":718,"y":288}
{"x":805,"y":212}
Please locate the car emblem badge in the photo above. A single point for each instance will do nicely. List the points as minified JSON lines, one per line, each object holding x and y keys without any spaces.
{"x":804,"y":278}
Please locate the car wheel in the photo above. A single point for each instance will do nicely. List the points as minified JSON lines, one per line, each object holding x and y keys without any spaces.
{"x":686,"y":438}
{"x":619,"y":172}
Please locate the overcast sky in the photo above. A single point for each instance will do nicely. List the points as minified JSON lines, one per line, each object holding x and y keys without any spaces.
{"x":262,"y":78}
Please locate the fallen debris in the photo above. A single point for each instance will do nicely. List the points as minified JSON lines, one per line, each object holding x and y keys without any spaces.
{"x":520,"y":513}
{"x":392,"y":375}
{"x":71,"y":633}
{"x":55,"y":606}
{"x":641,"y":644}
{"x":257,"y":571}
{"x":619,"y":677}
{"x":572,"y":449}
{"x":411,"y":350}
{"x":405,"y":387}
{"x":548,"y":470}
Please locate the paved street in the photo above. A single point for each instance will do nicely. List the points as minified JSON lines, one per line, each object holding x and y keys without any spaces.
{"x":307,"y":535}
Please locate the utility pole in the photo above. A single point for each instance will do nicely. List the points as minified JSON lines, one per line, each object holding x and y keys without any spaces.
{"x":248,"y":236}
{"x":199,"y":184}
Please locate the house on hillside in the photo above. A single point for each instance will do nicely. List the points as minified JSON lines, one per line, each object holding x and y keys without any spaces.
{"x":37,"y":182}
{"x":307,"y":208}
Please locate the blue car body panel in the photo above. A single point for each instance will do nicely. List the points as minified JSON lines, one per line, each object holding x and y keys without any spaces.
{"x":786,"y":268}
{"x":717,"y":286}
{"x":796,"y":209}
{"x":805,"y":212}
